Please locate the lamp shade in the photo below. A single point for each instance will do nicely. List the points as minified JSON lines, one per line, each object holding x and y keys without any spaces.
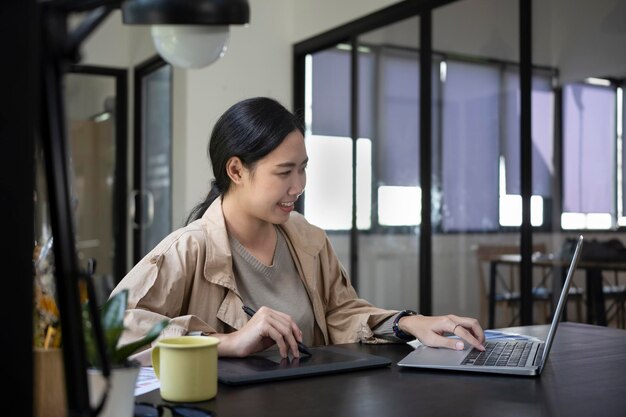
{"x":185,"y":12}
{"x":188,"y":33}
{"x":190,"y":46}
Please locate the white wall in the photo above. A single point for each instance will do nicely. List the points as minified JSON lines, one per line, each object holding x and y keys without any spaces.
{"x":114,"y":44}
{"x":315,"y":17}
{"x":258,"y":62}
{"x":483,"y":28}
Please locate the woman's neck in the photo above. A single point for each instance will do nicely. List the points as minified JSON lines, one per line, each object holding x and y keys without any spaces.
{"x":251,"y":232}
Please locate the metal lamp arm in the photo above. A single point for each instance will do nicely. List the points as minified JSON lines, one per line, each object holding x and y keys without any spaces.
{"x":86,"y":27}
{"x":77,"y":6}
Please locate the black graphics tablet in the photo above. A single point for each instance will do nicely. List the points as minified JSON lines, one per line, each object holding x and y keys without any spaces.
{"x":269,"y":366}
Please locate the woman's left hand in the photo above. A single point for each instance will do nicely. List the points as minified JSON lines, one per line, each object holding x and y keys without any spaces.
{"x":430,"y":330}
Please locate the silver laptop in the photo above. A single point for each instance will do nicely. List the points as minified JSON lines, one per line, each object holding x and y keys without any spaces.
{"x":502,"y":356}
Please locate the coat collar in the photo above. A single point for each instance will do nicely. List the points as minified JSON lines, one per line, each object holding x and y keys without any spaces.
{"x":303,"y":236}
{"x":218,"y":267}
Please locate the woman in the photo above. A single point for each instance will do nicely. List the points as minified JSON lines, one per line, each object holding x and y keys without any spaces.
{"x":244,"y":245}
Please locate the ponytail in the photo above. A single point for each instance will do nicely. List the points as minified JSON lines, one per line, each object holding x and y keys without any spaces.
{"x":199,"y":210}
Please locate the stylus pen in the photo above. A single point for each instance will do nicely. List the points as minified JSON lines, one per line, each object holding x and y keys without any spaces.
{"x":301,"y":347}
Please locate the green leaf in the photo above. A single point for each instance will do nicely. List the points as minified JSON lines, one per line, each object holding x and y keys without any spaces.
{"x":112,"y":318}
{"x":112,"y":321}
{"x":114,"y":309}
{"x":90,"y":344}
{"x":122,"y":353}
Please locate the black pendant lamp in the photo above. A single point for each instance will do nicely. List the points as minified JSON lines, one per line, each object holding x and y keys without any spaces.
{"x":188,"y":33}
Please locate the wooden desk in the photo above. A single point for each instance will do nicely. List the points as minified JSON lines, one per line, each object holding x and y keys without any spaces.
{"x":575,"y":382}
{"x":596,"y":312}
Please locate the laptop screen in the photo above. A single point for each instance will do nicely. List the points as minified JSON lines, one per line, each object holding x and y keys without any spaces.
{"x":562,"y":300}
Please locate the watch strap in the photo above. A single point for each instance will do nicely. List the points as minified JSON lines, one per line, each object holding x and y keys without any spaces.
{"x":396,"y":328}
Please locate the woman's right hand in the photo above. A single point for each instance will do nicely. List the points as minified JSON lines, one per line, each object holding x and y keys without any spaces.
{"x":266,"y":328}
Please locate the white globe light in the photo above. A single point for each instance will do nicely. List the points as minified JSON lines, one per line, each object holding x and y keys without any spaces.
{"x":190,"y":46}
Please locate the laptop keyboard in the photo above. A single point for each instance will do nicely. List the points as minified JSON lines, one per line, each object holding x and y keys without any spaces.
{"x":503,"y":353}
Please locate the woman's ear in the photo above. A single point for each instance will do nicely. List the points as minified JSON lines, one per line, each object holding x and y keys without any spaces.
{"x":235,"y":169}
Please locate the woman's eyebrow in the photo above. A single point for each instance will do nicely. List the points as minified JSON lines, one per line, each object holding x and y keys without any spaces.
{"x":291,"y":164}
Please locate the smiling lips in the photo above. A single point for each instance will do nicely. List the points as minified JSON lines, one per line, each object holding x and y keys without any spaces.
{"x":286,"y":207}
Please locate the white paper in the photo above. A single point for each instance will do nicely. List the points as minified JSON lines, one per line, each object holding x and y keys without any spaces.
{"x":147,"y":381}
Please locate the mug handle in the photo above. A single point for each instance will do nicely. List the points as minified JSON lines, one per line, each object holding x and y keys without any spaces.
{"x":156,"y":354}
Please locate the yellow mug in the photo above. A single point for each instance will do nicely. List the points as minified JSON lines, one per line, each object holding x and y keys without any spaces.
{"x":186,"y":367}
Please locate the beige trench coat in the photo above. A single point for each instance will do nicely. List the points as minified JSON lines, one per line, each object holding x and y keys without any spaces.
{"x":188,"y":278}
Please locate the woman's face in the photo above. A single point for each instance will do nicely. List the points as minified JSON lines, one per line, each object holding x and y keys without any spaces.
{"x":270,"y":190}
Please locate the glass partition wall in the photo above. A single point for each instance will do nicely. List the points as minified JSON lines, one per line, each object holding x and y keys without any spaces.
{"x":360,"y":96}
{"x":390,"y":249}
{"x":362,"y":135}
{"x":584,"y":42}
{"x":523,"y":151}
{"x":478,"y":178}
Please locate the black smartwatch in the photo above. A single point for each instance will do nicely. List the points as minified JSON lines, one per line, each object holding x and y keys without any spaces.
{"x":396,"y":329}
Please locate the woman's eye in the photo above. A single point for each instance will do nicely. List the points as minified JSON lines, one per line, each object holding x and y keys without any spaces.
{"x":284,"y":174}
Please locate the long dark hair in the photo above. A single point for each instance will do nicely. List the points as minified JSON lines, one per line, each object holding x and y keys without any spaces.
{"x":249,"y":130}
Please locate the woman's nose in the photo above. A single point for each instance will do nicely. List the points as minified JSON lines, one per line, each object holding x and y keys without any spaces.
{"x":298,"y":186}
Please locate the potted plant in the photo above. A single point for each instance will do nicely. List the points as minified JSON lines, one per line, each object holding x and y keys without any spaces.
{"x":124,"y":372}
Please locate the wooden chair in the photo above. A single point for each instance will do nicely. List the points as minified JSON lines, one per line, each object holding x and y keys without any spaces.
{"x":507,"y":294}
